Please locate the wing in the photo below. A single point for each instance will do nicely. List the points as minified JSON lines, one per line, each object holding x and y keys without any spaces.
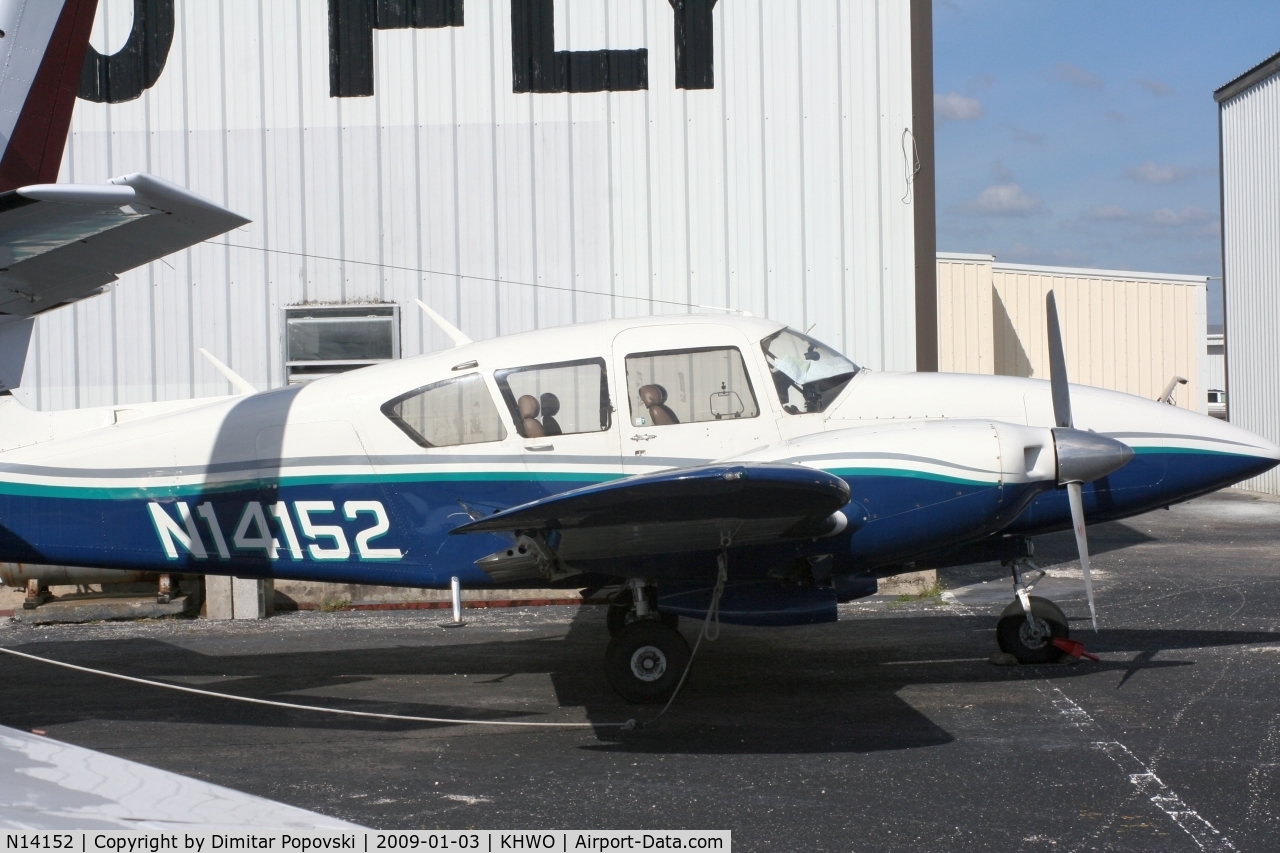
{"x":685,"y":509}
{"x":63,"y":242}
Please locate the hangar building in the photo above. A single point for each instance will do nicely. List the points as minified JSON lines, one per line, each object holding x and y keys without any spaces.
{"x":516,"y":164}
{"x":1249,"y":140}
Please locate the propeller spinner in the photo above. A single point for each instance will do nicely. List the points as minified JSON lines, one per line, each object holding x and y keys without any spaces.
{"x":1082,"y":456}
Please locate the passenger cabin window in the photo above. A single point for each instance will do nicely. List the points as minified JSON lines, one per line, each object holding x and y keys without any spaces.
{"x":689,"y":386}
{"x":446,"y":414}
{"x":557,"y":399}
{"x":807,"y":375}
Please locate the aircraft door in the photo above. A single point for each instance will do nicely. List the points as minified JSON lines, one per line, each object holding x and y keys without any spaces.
{"x":688,"y":395}
{"x":563,"y":413}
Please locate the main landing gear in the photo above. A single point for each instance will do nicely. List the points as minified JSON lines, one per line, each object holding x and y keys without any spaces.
{"x":624,"y":610}
{"x":1030,"y":624}
{"x":647,"y":655}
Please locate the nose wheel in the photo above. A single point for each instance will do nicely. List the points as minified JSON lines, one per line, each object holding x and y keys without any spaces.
{"x":1030,"y":640}
{"x":645,"y":661}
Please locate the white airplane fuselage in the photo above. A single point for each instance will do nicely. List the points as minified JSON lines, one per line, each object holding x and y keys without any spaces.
{"x":329,"y":481}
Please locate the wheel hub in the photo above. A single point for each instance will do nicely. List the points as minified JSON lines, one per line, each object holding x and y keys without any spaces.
{"x":1034,"y":638}
{"x":648,"y":663}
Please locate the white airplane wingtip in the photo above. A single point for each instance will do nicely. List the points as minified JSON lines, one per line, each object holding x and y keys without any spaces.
{"x":445,"y":326}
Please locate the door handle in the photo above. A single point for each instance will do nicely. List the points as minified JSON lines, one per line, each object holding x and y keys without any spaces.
{"x":539,"y":447}
{"x":642,"y":437}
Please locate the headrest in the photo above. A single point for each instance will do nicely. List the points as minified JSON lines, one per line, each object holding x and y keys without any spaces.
{"x":550,"y":404}
{"x":528,"y":407}
{"x":653,"y":395}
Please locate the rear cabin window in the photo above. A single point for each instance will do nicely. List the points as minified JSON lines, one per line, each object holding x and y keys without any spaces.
{"x":446,"y":414}
{"x":808,"y":375}
{"x":689,"y":386}
{"x":557,"y":399}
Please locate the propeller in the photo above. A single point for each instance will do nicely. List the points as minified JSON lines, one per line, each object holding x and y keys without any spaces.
{"x":1082,"y":456}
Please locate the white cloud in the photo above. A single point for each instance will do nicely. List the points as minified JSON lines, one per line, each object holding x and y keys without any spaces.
{"x":956,"y":107}
{"x":1154,"y":86}
{"x":1167,"y":218}
{"x":1109,"y":212}
{"x":1153,"y":173}
{"x":1077,"y":76}
{"x":1023,"y":253}
{"x":1002,"y":200}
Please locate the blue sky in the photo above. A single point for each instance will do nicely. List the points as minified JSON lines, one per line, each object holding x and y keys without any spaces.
{"x":1085,"y":133}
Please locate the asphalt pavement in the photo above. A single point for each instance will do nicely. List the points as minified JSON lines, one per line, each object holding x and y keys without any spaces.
{"x":889,"y":730}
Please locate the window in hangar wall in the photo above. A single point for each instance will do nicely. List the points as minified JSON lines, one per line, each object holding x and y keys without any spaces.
{"x":322,"y":340}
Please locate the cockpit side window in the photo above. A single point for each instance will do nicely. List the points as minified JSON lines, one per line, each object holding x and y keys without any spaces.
{"x":808,"y":375}
{"x":445,"y":414}
{"x":557,"y":399}
{"x":689,"y":386}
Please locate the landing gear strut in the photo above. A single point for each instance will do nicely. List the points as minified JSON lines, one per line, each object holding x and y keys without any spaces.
{"x":1030,"y":624}
{"x":624,"y":610}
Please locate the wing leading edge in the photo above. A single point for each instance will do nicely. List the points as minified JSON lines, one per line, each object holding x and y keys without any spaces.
{"x":64,"y":242}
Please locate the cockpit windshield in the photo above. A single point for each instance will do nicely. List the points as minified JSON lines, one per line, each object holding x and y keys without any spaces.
{"x":808,"y":375}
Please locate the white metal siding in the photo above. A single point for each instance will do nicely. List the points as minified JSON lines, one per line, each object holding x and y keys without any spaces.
{"x":777,"y":192}
{"x":1251,"y":262}
{"x":1217,"y":364}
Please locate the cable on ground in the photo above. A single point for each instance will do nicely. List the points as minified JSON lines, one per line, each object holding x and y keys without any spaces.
{"x":628,"y":725}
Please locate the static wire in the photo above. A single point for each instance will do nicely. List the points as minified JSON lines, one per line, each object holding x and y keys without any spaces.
{"x":472,"y":277}
{"x":628,"y":725}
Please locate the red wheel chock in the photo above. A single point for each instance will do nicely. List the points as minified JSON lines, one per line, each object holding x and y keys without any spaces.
{"x":1073,"y":648}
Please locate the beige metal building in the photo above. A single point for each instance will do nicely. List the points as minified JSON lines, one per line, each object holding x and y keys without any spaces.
{"x":1127,"y":331}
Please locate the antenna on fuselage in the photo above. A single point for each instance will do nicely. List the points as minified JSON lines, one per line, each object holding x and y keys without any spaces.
{"x":445,"y":326}
{"x":237,"y":381}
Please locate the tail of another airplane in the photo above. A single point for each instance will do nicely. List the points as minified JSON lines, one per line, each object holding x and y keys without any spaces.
{"x":42,"y":50}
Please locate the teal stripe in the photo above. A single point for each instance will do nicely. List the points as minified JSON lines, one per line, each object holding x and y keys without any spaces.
{"x":188,"y":489}
{"x":907,"y":474}
{"x":1188,"y":451}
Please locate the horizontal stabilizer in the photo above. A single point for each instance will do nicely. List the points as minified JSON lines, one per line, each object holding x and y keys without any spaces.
{"x":64,"y":242}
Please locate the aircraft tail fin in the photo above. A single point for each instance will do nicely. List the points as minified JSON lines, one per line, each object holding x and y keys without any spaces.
{"x":42,"y":49}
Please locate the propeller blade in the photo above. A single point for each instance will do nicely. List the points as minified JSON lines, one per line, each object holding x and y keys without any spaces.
{"x":1058,"y":367}
{"x":1075,"y":495}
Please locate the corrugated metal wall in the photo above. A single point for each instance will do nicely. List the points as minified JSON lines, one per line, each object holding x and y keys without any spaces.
{"x":1217,"y":363}
{"x":966,"y":339}
{"x":779,"y":191}
{"x":1129,"y":332}
{"x":1250,"y":137}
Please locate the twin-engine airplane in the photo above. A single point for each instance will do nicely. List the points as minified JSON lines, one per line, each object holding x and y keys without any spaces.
{"x":708,"y":464}
{"x":696,"y":460}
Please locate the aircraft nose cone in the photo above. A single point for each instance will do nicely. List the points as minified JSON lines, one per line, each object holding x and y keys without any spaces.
{"x":1086,"y":456}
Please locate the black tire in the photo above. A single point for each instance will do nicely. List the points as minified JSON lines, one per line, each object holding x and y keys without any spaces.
{"x":1016,"y":638}
{"x":645,"y":661}
{"x":617,"y":618}
{"x":620,"y":614}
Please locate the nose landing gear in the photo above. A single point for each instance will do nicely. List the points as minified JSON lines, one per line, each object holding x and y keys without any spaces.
{"x":1030,"y":624}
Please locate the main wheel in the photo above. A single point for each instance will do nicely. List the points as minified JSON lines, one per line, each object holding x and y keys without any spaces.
{"x":1029,"y":645}
{"x":645,"y":661}
{"x":620,"y":614}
